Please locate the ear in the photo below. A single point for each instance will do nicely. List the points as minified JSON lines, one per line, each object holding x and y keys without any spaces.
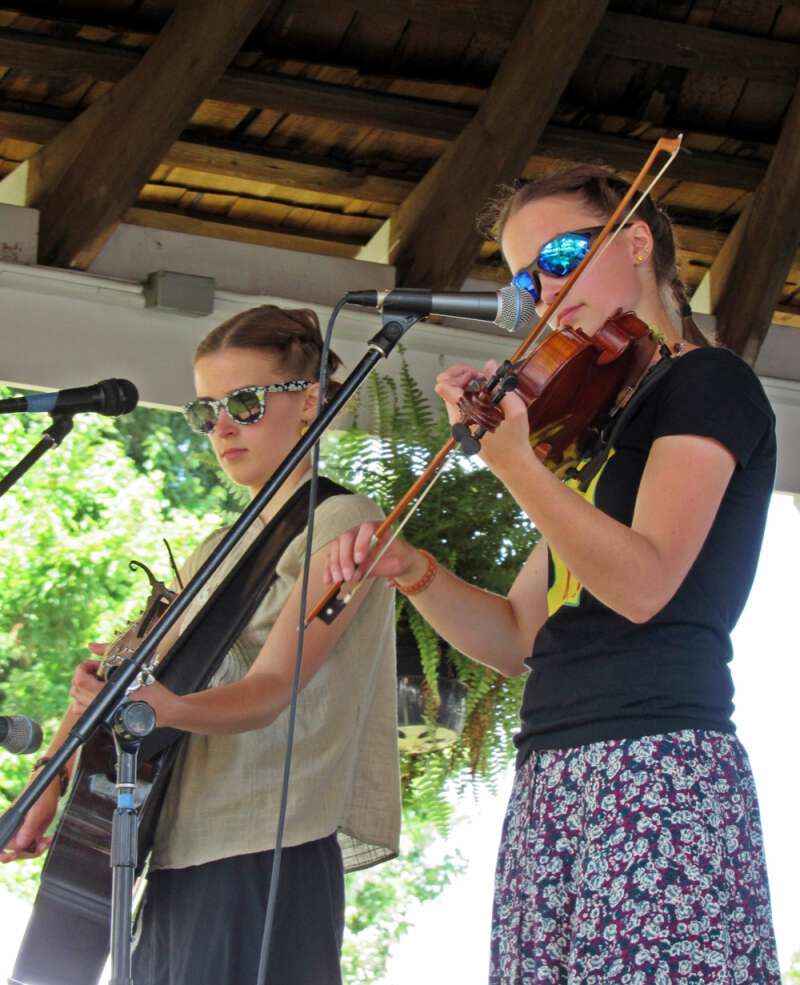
{"x":310,"y":398}
{"x":641,"y":240}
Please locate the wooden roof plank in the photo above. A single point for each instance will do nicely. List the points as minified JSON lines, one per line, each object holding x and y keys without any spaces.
{"x":432,"y":238}
{"x":80,"y":190}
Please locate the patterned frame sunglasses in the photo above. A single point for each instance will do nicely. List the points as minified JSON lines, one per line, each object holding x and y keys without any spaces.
{"x":244,"y":406}
{"x":558,"y":257}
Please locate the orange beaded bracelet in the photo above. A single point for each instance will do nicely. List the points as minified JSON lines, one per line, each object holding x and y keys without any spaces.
{"x":424,"y":581}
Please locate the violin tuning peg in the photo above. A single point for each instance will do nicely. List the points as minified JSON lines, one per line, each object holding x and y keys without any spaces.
{"x":465,"y":438}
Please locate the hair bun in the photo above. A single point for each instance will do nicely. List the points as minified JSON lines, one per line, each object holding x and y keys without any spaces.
{"x":292,"y":334}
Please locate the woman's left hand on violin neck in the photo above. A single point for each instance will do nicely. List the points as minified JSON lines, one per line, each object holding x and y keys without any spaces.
{"x":503,"y":449}
{"x":86,"y":685}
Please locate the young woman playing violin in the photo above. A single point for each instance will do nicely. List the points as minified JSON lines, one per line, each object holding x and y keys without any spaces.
{"x":256,"y":378}
{"x":632,"y":848}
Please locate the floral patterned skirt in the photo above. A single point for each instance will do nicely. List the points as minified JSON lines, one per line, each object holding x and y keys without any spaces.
{"x":634,"y":862}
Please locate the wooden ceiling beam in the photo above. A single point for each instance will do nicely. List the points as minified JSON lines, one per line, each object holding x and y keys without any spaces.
{"x":661,"y":41}
{"x":494,"y":17}
{"x":692,"y":47}
{"x":219,"y":227}
{"x":284,"y":94}
{"x":748,"y":278}
{"x":234,"y":160}
{"x":32,"y":123}
{"x":403,"y":114}
{"x":623,"y":35}
{"x":432,"y":239}
{"x":288,"y":171}
{"x":627,"y":153}
{"x":786,"y":314}
{"x":84,"y":179}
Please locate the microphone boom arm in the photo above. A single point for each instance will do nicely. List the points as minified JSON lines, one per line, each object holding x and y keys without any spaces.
{"x":51,"y":438}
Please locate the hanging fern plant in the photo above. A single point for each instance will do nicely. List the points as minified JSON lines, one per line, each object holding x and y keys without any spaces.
{"x":473,"y":527}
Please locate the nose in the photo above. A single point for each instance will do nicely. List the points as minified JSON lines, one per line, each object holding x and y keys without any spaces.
{"x":550,"y":287}
{"x":225,"y":425}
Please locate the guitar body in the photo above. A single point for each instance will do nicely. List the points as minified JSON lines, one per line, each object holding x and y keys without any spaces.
{"x":67,"y":938}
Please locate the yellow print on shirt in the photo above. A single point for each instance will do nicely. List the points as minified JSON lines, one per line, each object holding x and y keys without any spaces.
{"x":566,"y":589}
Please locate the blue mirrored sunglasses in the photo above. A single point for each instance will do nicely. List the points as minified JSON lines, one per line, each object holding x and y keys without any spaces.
{"x":558,"y":258}
{"x":244,"y":406}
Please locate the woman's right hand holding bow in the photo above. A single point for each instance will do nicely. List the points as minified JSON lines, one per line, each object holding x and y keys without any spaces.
{"x":350,"y":554}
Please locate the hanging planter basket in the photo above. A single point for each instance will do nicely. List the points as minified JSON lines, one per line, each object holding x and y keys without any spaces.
{"x":417,"y":731}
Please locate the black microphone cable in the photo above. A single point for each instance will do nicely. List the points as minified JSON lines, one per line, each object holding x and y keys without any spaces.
{"x":274,"y":879}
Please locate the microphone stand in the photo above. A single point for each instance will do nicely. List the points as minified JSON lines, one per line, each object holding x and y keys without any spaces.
{"x":109,"y":704}
{"x":53,"y":436}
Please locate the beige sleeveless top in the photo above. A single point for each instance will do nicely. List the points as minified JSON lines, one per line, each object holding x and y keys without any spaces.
{"x":224,"y":795}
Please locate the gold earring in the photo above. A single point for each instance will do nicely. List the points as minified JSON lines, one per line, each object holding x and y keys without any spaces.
{"x":303,"y":429}
{"x":641,"y":258}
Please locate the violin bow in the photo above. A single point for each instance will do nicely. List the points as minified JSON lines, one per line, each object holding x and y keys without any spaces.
{"x":329,"y":606}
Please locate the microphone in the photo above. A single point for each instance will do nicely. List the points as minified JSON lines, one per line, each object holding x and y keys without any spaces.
{"x":109,"y":397}
{"x":19,"y":734}
{"x":510,"y":308}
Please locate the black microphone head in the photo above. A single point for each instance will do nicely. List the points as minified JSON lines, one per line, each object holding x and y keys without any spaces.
{"x":119,"y":397}
{"x":23,"y":735}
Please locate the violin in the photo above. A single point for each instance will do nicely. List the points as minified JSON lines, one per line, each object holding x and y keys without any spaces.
{"x":571,"y":384}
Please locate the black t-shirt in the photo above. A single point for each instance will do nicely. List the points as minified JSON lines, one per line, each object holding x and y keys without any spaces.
{"x":595,"y":675}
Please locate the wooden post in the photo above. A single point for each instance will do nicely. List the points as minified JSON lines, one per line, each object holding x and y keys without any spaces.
{"x":746,"y":280}
{"x":84,"y":180}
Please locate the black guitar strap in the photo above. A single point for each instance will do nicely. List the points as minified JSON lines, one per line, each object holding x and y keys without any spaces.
{"x":198,"y":652}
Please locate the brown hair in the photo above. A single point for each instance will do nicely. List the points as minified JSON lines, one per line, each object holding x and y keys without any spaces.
{"x":293,"y":336}
{"x":602,"y":190}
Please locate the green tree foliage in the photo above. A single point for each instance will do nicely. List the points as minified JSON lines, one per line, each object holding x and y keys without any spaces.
{"x":69,"y":528}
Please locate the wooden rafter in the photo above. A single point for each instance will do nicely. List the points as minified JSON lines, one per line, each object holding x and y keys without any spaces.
{"x":651,"y":39}
{"x":234,"y":160}
{"x":263,"y":163}
{"x":402,"y":114}
{"x":747,"y":278}
{"x":83,"y":181}
{"x":432,"y":238}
